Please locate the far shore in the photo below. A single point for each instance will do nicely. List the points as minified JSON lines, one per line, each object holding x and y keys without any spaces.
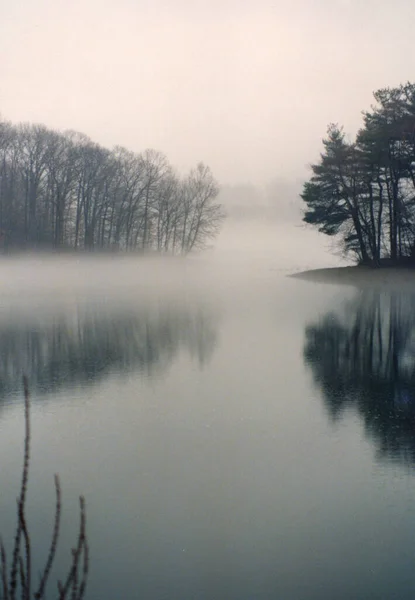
{"x":361,"y":276}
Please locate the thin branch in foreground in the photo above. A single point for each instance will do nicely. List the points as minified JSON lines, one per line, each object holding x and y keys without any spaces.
{"x":5,"y":584}
{"x":28,"y":556}
{"x":22,"y":496}
{"x":72,"y":578}
{"x":54,"y":542}
{"x":19,"y":578}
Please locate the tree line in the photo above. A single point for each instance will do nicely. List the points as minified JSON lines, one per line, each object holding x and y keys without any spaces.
{"x":62,"y":190}
{"x":363,"y":191}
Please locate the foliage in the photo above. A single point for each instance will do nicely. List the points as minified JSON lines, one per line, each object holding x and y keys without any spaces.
{"x":363,"y":191}
{"x":16,"y":575}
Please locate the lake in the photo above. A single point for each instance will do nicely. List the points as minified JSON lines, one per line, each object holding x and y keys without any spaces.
{"x":236,"y":433}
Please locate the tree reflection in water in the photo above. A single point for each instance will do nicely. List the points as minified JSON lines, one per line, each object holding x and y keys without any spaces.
{"x":83,"y":347}
{"x":363,"y":356}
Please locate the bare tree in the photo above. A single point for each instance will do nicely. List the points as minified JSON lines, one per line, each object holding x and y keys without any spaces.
{"x":63,"y":190}
{"x":202,"y":216}
{"x":33,"y":141}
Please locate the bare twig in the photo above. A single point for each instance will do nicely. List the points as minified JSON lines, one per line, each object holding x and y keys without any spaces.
{"x":21,"y":565}
{"x":22,"y":497}
{"x":4,"y":571}
{"x":54,"y":542}
{"x":23,"y":580}
{"x":71,"y":579}
{"x":85,"y":570}
{"x":28,"y":551}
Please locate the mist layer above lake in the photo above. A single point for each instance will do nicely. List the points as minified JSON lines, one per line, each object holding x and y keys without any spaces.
{"x":236,"y":433}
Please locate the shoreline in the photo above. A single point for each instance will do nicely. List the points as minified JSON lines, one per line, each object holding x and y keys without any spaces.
{"x":360,"y":276}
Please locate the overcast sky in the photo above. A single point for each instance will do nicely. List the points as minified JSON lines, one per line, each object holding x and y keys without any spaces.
{"x":247,"y":86}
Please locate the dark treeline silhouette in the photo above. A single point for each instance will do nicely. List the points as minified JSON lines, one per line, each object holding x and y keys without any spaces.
{"x":363,"y":191}
{"x":64,"y":191}
{"x":364,"y":358}
{"x":85,"y":347}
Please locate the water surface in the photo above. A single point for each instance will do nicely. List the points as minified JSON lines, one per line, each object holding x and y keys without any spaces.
{"x":237,"y":434}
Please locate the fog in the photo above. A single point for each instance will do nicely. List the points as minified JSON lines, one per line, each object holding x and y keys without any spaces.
{"x":236,"y":432}
{"x":247,"y":87}
{"x":245,"y":249}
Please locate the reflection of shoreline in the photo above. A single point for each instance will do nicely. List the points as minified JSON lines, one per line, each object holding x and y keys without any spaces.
{"x":361,"y":276}
{"x":362,"y":357}
{"x":65,"y":349}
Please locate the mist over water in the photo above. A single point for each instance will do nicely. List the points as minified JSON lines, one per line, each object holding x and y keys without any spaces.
{"x":244,"y":250}
{"x":288,"y":246}
{"x":80,"y":306}
{"x":236,"y":433}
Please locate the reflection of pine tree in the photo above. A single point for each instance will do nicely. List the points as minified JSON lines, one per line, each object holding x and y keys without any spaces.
{"x":363,"y":357}
{"x":85,"y":347}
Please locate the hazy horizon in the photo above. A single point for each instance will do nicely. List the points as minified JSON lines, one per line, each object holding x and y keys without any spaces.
{"x":246,"y":87}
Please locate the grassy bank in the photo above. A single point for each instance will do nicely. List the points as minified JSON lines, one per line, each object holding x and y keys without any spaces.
{"x":359,"y":276}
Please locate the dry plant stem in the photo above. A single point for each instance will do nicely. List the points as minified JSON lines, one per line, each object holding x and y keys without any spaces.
{"x":22,"y":498}
{"x":28,"y":554}
{"x":82,"y":587}
{"x":54,"y":542}
{"x":23,"y":581}
{"x":4,"y":571}
{"x":21,"y":565}
{"x":71,"y":580}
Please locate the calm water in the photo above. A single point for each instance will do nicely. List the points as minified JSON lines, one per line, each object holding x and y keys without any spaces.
{"x":237,"y":434}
